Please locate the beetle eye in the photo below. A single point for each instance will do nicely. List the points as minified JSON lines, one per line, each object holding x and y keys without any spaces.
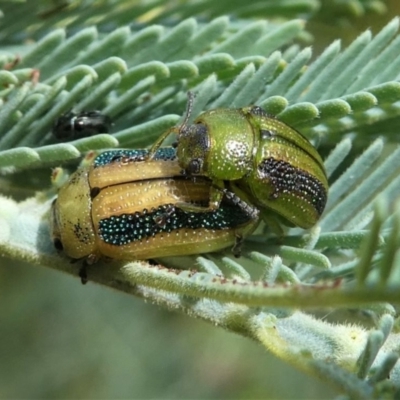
{"x":58,"y":245}
{"x":194,"y":166}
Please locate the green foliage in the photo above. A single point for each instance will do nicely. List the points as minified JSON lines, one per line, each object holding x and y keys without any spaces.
{"x":345,"y":100}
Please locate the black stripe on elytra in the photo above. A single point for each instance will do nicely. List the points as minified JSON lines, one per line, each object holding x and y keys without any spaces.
{"x":107,"y":157}
{"x":287,"y":179}
{"x":123,"y":229}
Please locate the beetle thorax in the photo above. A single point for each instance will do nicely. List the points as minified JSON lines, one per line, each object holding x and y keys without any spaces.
{"x":232,"y":159}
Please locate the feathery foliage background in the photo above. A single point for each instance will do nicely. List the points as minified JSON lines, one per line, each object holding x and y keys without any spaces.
{"x":324,"y":301}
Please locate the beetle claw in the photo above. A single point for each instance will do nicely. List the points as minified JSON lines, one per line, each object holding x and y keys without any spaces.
{"x":237,"y":247}
{"x":83,"y":274}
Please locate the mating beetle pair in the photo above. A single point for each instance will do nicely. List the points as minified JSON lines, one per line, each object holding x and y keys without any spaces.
{"x":139,"y":204}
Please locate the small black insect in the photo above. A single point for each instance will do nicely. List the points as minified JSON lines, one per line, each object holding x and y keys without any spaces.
{"x":79,"y":125}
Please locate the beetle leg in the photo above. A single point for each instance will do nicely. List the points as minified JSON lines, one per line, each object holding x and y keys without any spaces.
{"x":89,"y":260}
{"x":272,"y":223}
{"x":189,"y":207}
{"x":83,"y":274}
{"x":251,"y":211}
{"x":237,"y":247}
{"x":217,"y":192}
{"x":216,"y":195}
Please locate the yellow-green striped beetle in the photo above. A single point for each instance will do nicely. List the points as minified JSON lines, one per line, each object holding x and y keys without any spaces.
{"x":266,"y":162}
{"x":123,"y":207}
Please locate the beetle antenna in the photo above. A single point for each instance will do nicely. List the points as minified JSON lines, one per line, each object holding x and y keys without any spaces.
{"x":189,"y":110}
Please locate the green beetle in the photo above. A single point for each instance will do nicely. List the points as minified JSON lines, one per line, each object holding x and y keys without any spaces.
{"x":123,"y":207}
{"x":264,"y":161}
